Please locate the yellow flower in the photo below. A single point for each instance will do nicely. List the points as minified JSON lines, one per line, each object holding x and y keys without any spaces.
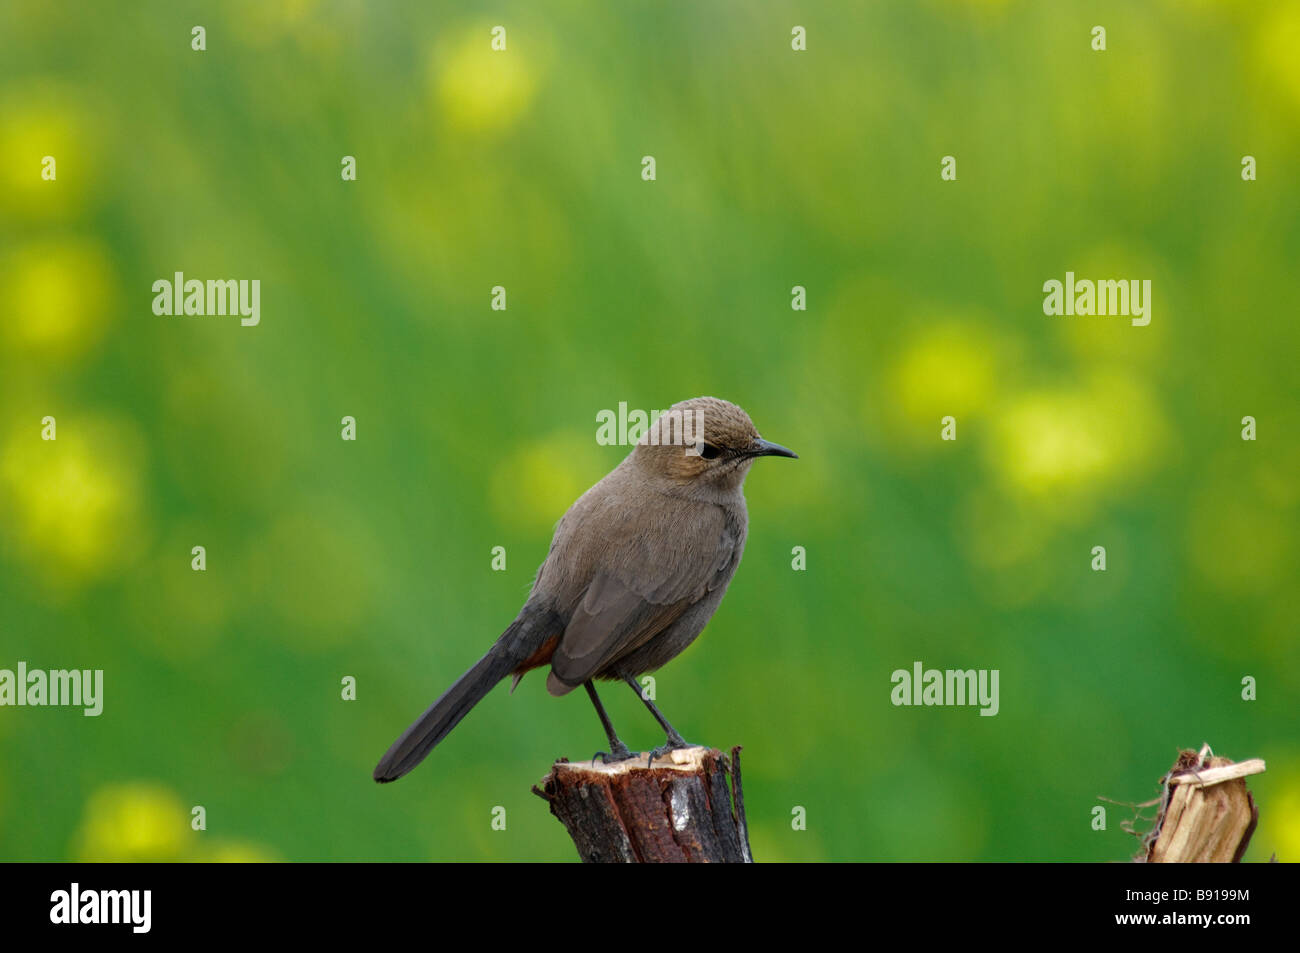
{"x":1076,"y":439}
{"x":478,"y":88}
{"x":532,"y":488}
{"x":133,"y":822}
{"x":73,"y":504}
{"x":944,"y":370}
{"x":1277,"y":42}
{"x":39,"y":119}
{"x":57,"y":295}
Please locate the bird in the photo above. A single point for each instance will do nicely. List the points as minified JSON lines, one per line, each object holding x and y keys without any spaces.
{"x":635,"y":570}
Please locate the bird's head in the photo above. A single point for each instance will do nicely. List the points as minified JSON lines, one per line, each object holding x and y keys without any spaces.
{"x":704,"y":440}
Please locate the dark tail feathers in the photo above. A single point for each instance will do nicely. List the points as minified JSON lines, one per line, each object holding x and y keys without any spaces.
{"x":445,"y":714}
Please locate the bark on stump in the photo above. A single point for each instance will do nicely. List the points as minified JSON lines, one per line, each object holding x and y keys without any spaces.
{"x":680,"y":810}
{"x":1207,"y":814}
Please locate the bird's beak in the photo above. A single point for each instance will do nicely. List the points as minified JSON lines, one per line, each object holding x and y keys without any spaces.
{"x":766,"y":448}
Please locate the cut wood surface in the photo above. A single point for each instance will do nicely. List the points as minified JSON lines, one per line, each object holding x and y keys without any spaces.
{"x":1207,"y":813}
{"x":687,"y":807}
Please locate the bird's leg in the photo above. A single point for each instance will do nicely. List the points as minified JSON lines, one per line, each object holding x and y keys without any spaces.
{"x":617,"y":750}
{"x":675,"y":740}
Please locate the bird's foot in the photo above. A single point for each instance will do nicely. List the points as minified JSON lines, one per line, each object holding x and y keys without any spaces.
{"x":675,"y":742}
{"x":620,"y":752}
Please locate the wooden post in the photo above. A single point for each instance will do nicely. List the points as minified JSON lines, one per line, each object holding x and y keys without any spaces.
{"x":680,"y":810}
{"x":1207,"y":815}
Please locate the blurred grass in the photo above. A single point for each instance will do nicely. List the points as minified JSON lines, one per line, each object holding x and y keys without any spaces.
{"x":476,"y":428}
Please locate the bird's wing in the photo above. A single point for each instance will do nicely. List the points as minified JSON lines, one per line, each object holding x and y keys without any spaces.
{"x":642,"y":583}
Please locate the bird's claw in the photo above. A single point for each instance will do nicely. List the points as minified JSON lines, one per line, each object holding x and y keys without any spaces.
{"x":620,"y":753}
{"x":674,"y":743}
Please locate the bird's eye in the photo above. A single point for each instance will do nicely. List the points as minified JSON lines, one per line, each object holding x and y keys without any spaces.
{"x":709,"y":452}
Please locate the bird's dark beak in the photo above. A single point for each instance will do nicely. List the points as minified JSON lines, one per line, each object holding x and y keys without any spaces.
{"x":766,"y":448}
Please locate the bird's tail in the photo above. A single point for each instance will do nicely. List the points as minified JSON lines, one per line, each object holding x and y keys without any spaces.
{"x":445,"y":714}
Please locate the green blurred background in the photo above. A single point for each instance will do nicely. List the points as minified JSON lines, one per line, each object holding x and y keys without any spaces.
{"x":476,"y":428}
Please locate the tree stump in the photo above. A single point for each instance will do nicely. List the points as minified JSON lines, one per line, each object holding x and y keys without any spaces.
{"x":680,"y":810}
{"x":1207,"y":815}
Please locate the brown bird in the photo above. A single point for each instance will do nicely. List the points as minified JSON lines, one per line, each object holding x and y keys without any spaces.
{"x":636,"y":569}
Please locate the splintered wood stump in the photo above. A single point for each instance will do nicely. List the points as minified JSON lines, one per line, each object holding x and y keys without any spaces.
{"x":1207,"y":814}
{"x":680,"y":810}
